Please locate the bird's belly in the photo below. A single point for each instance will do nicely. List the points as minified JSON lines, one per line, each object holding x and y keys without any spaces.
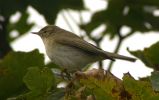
{"x":69,"y":57}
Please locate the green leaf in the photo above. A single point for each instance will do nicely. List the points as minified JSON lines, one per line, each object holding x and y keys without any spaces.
{"x":13,"y":5}
{"x":107,"y":88}
{"x":50,"y":8}
{"x":102,"y":92}
{"x":39,"y":80}
{"x":119,"y":13}
{"x":52,"y":65}
{"x":156,"y":97}
{"x":149,"y":56}
{"x":139,"y":90}
{"x":56,"y":94}
{"x":22,"y":26}
{"x":12,"y":69}
{"x":155,"y":80}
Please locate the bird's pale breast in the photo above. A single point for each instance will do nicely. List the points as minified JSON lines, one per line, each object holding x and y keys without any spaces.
{"x":66,"y":56}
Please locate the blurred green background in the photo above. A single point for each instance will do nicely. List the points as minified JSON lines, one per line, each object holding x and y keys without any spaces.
{"x":108,"y":24}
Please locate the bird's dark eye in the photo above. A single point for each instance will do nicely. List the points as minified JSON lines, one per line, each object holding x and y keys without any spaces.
{"x":45,"y":31}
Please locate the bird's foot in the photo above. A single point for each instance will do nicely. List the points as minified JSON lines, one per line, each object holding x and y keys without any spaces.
{"x":65,"y":74}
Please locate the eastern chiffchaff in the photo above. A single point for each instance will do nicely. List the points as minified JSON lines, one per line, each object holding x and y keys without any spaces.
{"x":70,"y":51}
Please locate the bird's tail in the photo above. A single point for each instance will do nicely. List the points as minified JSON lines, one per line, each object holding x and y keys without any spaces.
{"x":117,"y":56}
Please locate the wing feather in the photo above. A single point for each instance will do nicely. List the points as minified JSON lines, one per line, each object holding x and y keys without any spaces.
{"x":83,"y":45}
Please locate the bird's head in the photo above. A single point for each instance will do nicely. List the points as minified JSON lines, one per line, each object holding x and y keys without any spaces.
{"x":47,"y":31}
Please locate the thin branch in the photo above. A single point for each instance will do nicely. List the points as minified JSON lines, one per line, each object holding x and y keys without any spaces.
{"x":100,"y":63}
{"x":75,"y":21}
{"x":80,"y":20}
{"x":128,"y":35}
{"x":72,"y":18}
{"x":116,"y":51}
{"x":67,"y":22}
{"x":121,"y":38}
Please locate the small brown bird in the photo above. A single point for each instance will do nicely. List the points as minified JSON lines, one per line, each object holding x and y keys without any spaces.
{"x":70,"y":51}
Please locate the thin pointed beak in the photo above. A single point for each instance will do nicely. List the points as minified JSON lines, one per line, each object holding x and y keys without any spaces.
{"x":34,"y":32}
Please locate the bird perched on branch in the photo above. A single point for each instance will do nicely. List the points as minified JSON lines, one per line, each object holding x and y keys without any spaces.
{"x":71,"y":52}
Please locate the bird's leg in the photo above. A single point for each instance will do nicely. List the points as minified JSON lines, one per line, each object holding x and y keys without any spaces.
{"x":67,"y":74}
{"x":69,"y":88}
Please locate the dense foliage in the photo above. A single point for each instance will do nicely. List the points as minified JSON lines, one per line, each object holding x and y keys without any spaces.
{"x":24,"y":76}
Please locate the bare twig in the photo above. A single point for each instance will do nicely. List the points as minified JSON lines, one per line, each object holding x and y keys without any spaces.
{"x":72,"y":18}
{"x":121,"y":38}
{"x":116,"y":51}
{"x":67,"y":21}
{"x":128,"y":35}
{"x":100,"y":63}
